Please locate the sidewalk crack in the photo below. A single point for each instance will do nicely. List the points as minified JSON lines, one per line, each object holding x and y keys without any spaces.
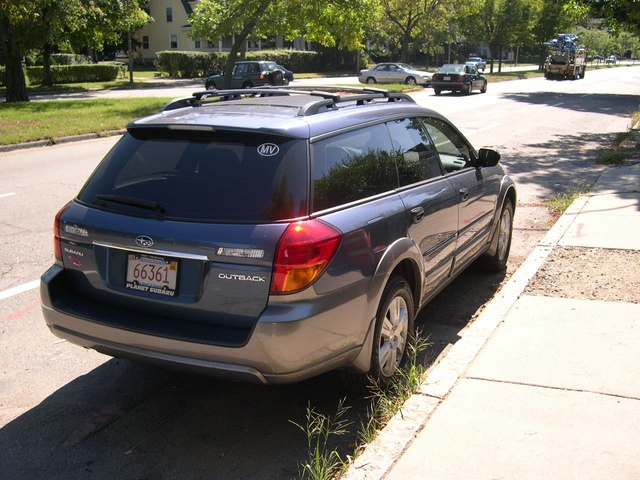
{"x":550,"y":387}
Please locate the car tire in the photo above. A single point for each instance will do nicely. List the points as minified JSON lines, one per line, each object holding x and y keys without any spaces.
{"x":498,"y":261}
{"x":247,"y":85}
{"x":371,"y":80}
{"x":211,"y":86}
{"x":410,"y":81}
{"x":393,"y":334}
{"x":484,"y":88}
{"x":276,"y":78}
{"x":437,"y":91}
{"x":466,"y":89}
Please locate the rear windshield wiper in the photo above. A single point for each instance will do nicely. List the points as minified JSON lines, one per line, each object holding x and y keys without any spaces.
{"x":134,"y":202}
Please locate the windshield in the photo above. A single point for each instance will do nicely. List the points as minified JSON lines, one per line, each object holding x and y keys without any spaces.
{"x":220,"y":177}
{"x":452,"y":69}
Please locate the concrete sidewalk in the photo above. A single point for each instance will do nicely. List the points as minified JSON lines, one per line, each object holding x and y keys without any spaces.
{"x":538,"y":387}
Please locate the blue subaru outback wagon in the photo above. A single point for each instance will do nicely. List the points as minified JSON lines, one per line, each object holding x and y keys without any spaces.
{"x":274,"y":234}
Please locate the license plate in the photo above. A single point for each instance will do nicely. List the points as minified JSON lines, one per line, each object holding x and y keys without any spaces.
{"x":447,"y":79}
{"x":152,"y":274}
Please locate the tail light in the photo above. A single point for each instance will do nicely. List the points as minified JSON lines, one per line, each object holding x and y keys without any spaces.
{"x":57,"y":246}
{"x":303,"y":253}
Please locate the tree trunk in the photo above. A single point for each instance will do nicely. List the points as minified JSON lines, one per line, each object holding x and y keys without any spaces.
{"x":237,"y":46}
{"x":543,"y":57}
{"x":404,"y":53}
{"x":16,"y":83}
{"x":493,"y":47}
{"x":47,"y":79}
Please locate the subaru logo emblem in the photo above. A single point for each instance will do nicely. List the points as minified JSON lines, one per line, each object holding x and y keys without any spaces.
{"x":144,"y":241}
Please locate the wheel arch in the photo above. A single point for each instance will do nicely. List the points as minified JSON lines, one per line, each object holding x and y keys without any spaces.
{"x":507,"y":192}
{"x":401,"y":258}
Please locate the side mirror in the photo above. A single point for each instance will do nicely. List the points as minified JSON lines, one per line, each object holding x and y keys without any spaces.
{"x":487,"y":157}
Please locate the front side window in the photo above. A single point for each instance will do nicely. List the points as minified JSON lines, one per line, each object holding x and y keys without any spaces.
{"x":353,"y":166}
{"x":417,"y":158}
{"x":222,"y":177}
{"x":454,"y":152}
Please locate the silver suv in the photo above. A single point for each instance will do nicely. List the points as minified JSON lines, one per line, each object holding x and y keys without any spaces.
{"x":271,"y":235}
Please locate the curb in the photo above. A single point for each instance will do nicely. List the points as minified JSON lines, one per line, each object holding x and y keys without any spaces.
{"x":394,"y":439}
{"x":59,"y":141}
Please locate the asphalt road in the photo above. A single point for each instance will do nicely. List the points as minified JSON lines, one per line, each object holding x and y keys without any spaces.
{"x":68,"y":413}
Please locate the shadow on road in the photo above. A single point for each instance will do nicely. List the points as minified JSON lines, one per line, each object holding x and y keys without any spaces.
{"x":130,"y":421}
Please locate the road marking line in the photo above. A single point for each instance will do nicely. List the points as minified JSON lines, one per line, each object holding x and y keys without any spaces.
{"x":468,"y":132}
{"x":3,"y":195}
{"x":19,"y":289}
{"x":551,"y":106}
{"x":493,"y":125}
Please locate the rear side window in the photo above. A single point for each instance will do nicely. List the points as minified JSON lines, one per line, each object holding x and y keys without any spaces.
{"x":218,"y":177}
{"x":353,"y":166}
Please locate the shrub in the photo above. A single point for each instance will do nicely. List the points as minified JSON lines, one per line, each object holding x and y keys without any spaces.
{"x":103,"y":72}
{"x":189,"y":64}
{"x":70,"y":59}
{"x":200,"y":64}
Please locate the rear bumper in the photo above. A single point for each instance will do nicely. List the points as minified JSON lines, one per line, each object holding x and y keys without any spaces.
{"x":289,"y":343}
{"x":452,"y":86}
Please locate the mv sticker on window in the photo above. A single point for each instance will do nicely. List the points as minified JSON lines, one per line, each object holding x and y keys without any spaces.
{"x":268,"y":149}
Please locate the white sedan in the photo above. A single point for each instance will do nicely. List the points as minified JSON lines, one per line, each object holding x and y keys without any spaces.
{"x":395,"y":73}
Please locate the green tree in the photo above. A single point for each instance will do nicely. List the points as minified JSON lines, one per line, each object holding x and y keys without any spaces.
{"x":105,"y":22}
{"x":417,"y":24}
{"x":55,"y":22}
{"x":595,"y":40}
{"x":499,"y":23}
{"x":620,"y":14}
{"x":340,"y":23}
{"x":16,"y":35}
{"x":27,"y":25}
{"x":550,"y":17}
{"x":626,"y":43}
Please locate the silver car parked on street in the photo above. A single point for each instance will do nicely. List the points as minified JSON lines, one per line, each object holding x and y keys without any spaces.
{"x":395,"y":73}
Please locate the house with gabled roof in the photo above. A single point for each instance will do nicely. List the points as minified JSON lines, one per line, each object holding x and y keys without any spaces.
{"x":171,"y":30}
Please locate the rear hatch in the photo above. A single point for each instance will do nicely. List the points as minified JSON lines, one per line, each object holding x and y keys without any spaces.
{"x":175,"y":232}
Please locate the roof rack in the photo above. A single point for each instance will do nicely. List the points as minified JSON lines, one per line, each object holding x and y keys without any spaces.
{"x":324,"y":97}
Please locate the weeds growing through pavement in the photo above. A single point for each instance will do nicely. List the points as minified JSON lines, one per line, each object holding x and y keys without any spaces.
{"x":325,"y":464}
{"x":561,"y":201}
{"x":626,"y":146}
{"x":386,"y":402}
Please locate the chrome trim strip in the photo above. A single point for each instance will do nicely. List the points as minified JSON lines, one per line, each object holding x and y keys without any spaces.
{"x":153,"y":251}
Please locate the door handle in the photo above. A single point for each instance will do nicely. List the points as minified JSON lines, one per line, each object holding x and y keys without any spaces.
{"x":417,"y":214}
{"x":464,"y":194}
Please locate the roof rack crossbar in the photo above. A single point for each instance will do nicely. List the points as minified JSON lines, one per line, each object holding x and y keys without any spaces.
{"x":329,"y":96}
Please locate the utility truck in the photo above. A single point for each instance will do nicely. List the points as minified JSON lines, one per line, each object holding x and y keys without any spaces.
{"x":566,"y":60}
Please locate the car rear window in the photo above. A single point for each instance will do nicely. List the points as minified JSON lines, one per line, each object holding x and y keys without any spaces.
{"x":202,"y":176}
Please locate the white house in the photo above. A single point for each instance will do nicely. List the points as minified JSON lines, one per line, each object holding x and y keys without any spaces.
{"x":170,"y":30}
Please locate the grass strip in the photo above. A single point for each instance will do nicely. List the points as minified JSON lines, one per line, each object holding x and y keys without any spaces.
{"x":30,"y":121}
